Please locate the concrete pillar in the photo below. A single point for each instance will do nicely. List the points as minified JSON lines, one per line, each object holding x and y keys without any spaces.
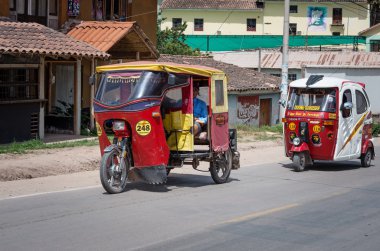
{"x":78,"y":97}
{"x":41,"y":96}
{"x":92,"y":124}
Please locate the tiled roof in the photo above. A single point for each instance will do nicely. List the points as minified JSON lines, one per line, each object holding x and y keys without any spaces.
{"x":104,"y":35}
{"x":239,"y":79}
{"x":32,"y":38}
{"x":209,"y":4}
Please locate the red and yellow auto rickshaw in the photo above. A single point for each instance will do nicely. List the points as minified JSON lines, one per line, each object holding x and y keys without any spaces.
{"x":327,"y":119}
{"x":147,"y":108}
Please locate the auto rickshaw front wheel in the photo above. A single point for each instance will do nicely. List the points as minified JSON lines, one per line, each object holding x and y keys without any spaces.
{"x":366,"y":158}
{"x":299,"y":161}
{"x":114,"y":172}
{"x":220,"y":166}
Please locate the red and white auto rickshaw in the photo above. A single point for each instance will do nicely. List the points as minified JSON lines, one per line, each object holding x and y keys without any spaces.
{"x":147,"y":110}
{"x":327,"y":119}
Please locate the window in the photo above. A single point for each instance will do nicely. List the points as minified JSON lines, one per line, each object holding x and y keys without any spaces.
{"x":292,"y":29}
{"x":361,"y":102}
{"x":53,"y":11}
{"x":260,"y":5}
{"x":176,"y":22}
{"x":18,"y":84}
{"x":293,"y":9}
{"x":336,"y":33}
{"x":337,"y":16}
{"x":375,"y":45}
{"x":111,"y":9}
{"x":198,"y":24}
{"x":219,"y":93}
{"x":251,"y":24}
{"x":347,"y":97}
{"x":12,"y":4}
{"x":292,"y":76}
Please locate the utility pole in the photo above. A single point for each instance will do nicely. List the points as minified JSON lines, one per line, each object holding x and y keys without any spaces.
{"x":285,"y":59}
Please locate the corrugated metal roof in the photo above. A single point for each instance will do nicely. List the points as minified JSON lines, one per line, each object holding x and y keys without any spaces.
{"x":239,"y":79}
{"x":297,"y":59}
{"x":373,"y":27}
{"x":210,"y":4}
{"x":104,"y":35}
{"x":336,"y":1}
{"x":33,"y":38}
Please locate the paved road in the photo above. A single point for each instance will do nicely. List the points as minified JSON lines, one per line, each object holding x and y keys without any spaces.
{"x":267,"y":207}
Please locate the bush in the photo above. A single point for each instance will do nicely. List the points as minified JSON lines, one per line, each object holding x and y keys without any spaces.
{"x":375,"y":130}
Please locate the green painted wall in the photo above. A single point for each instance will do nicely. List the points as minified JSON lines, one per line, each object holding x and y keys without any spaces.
{"x":232,"y":43}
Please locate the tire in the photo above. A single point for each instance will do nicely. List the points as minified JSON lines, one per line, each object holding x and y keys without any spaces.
{"x":220,"y":167}
{"x":366,"y":158}
{"x":113,"y":181}
{"x":299,"y":162}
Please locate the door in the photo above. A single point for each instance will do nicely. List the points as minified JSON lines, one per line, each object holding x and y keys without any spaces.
{"x":219,"y":117}
{"x":360,"y":112}
{"x":265,"y":111}
{"x":344,"y":146}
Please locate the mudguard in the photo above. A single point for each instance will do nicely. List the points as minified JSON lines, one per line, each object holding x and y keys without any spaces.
{"x":302,"y":148}
{"x":368,"y":144}
{"x":111,"y":147}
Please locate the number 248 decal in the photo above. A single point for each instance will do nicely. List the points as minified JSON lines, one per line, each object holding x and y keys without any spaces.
{"x":143,"y":127}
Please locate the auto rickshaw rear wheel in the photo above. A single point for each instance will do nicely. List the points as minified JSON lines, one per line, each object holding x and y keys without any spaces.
{"x":299,"y":162}
{"x":114,"y":172}
{"x":220,"y":166}
{"x":366,"y":158}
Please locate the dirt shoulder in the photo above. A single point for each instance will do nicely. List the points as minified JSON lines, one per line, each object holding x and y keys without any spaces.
{"x":43,"y":171}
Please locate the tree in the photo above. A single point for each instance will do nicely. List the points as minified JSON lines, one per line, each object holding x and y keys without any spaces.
{"x":172,"y":41}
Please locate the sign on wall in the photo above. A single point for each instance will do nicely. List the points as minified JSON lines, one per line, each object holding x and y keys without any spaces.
{"x":316,"y":17}
{"x":248,"y":109}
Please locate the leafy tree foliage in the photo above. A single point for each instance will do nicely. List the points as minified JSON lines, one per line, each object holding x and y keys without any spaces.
{"x":172,"y":41}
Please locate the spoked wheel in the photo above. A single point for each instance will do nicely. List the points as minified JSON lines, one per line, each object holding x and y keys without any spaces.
{"x":220,"y":167}
{"x":299,"y":162}
{"x":366,"y":158}
{"x":114,"y":172}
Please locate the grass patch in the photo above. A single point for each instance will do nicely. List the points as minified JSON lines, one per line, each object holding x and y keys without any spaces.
{"x":23,"y":147}
{"x":248,"y":133}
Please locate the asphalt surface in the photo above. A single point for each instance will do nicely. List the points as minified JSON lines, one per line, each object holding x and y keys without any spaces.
{"x":332,"y":206}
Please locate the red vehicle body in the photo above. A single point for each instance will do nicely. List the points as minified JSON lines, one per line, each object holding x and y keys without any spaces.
{"x":148,"y":110}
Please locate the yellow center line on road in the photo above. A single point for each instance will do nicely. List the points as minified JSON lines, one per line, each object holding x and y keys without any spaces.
{"x":260,"y":213}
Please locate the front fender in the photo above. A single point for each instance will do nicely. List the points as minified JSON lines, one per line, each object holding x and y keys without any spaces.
{"x":111,"y":147}
{"x":301,"y":148}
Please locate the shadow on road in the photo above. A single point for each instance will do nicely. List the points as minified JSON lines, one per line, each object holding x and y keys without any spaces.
{"x":176,"y":181}
{"x":328,"y":166}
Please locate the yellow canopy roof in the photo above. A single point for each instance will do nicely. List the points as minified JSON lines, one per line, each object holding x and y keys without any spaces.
{"x":162,"y":66}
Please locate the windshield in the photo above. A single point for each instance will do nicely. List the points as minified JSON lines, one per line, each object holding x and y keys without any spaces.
{"x":121,"y":87}
{"x":312,"y":99}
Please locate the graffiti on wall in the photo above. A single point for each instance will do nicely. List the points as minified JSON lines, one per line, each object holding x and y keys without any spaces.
{"x":248,"y":109}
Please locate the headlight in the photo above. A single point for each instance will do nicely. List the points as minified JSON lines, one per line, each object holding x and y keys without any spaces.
{"x":296,"y":141}
{"x":118,"y":125}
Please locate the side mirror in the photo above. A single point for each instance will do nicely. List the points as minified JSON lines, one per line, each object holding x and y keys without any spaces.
{"x":91,"y":80}
{"x":347,"y":106}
